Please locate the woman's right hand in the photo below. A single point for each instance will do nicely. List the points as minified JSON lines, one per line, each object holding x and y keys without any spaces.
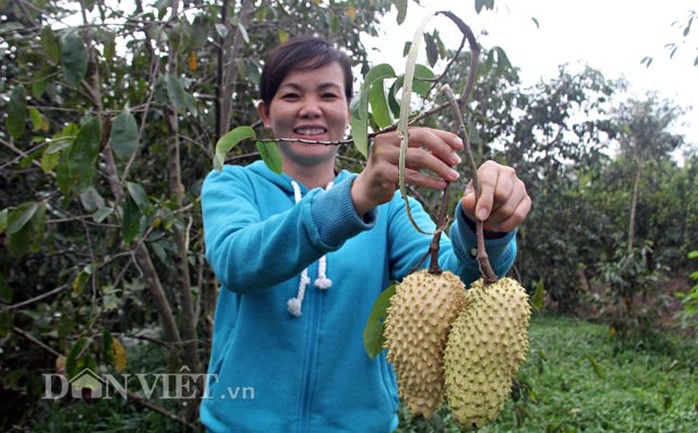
{"x":428,"y":149}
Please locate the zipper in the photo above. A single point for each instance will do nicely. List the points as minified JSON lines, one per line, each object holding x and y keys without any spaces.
{"x":313,"y":298}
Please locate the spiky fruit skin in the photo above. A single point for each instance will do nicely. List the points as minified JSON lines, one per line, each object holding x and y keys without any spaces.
{"x":486,"y":345}
{"x":416,"y":330}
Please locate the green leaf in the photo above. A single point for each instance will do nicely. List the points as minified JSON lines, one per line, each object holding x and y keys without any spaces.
{"x":49,"y":43}
{"x":401,"y":6}
{"x":81,"y":280}
{"x":359,"y":133}
{"x":222,"y":30}
{"x":119,"y":355}
{"x":243,"y":33}
{"x":131,"y":221}
{"x":109,"y":42}
{"x":373,"y":331}
{"x":379,"y":105}
{"x":91,"y":199}
{"x":503,"y":62}
{"x":5,"y":290}
{"x":49,"y":160}
{"x":29,"y":157}
{"x":16,"y":121}
{"x":271,"y":155}
{"x":59,"y":144}
{"x":19,"y":217}
{"x":419,"y":86}
{"x":77,"y":167}
{"x":37,"y":119}
{"x":25,"y":229}
{"x":432,"y":49}
{"x":538,"y":298}
{"x":73,"y":366}
{"x":596,"y":365}
{"x":693,"y":255}
{"x":199,"y":33}
{"x":139,"y":196}
{"x":159,"y":251}
{"x":227,"y":142}
{"x":113,"y":352}
{"x":479,"y":4}
{"x":124,"y":135}
{"x":101,"y":214}
{"x":375,"y":74}
{"x":74,"y":58}
{"x":41,"y":79}
{"x":3,"y":220}
{"x":107,"y":347}
{"x":5,"y":323}
{"x":176,"y":93}
{"x":393,"y":103}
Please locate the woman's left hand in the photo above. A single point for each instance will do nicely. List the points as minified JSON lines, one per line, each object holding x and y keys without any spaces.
{"x":504,"y":202}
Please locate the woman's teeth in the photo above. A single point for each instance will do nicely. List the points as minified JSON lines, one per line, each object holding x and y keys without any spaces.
{"x":310,"y":131}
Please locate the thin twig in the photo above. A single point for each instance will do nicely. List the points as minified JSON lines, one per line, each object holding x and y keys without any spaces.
{"x":35,"y":299}
{"x":34,"y":340}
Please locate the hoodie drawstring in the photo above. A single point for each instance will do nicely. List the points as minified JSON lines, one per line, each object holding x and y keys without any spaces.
{"x":322,"y":282}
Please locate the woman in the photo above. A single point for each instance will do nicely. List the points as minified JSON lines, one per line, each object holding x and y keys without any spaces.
{"x":302,"y":256}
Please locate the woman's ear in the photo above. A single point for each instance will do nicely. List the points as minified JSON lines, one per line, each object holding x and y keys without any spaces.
{"x":263,"y":113}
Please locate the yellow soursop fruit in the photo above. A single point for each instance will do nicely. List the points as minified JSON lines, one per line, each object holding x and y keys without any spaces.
{"x":416,"y":329}
{"x":486,"y":345}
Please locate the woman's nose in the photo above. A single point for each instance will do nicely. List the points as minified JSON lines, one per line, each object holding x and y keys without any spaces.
{"x":311,"y":108}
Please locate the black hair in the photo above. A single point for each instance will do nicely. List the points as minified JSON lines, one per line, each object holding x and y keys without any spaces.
{"x":301,"y":53}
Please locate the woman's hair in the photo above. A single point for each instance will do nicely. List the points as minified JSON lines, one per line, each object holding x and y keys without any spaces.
{"x":301,"y":53}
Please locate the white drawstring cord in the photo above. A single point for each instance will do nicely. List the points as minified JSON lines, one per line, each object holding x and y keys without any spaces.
{"x":322,"y":282}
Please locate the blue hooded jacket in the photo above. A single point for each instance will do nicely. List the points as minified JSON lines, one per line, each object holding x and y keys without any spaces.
{"x":270,"y":240}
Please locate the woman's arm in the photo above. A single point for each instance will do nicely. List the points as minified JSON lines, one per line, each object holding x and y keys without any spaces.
{"x":251,"y":253}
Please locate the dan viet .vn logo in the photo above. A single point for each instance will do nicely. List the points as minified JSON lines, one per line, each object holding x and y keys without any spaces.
{"x":88,"y":385}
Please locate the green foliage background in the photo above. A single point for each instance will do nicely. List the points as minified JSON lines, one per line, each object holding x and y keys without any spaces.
{"x":110,"y":113}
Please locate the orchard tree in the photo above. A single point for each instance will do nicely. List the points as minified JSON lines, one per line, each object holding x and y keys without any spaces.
{"x":557,"y":144}
{"x":110,"y":113}
{"x":645,"y":140}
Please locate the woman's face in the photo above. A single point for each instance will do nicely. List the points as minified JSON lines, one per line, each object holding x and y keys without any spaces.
{"x":309,"y":104}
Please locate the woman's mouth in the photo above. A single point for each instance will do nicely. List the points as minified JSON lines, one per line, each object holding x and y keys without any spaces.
{"x":310,"y":131}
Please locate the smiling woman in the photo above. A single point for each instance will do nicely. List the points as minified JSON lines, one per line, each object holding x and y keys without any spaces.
{"x":311,"y":105}
{"x":302,"y":255}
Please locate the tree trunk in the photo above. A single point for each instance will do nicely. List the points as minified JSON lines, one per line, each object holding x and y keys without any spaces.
{"x":227,"y":72}
{"x":633,"y":207}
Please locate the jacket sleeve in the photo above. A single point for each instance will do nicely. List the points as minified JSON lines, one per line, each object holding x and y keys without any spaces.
{"x":249,"y":253}
{"x":456,"y":252}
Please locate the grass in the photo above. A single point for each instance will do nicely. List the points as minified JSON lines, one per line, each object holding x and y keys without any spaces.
{"x":578,"y":378}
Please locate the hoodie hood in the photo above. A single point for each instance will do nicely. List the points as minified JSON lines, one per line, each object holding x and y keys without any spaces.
{"x":283,"y":180}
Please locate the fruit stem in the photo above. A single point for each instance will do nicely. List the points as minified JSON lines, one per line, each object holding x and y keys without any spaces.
{"x":458,"y":104}
{"x":488,"y":275}
{"x":442,"y":222}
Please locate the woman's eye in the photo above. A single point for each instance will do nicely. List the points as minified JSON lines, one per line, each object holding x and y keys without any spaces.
{"x":289,"y":96}
{"x":330,"y":95}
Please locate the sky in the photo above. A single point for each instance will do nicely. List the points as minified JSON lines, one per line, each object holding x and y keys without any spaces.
{"x":612,"y":36}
